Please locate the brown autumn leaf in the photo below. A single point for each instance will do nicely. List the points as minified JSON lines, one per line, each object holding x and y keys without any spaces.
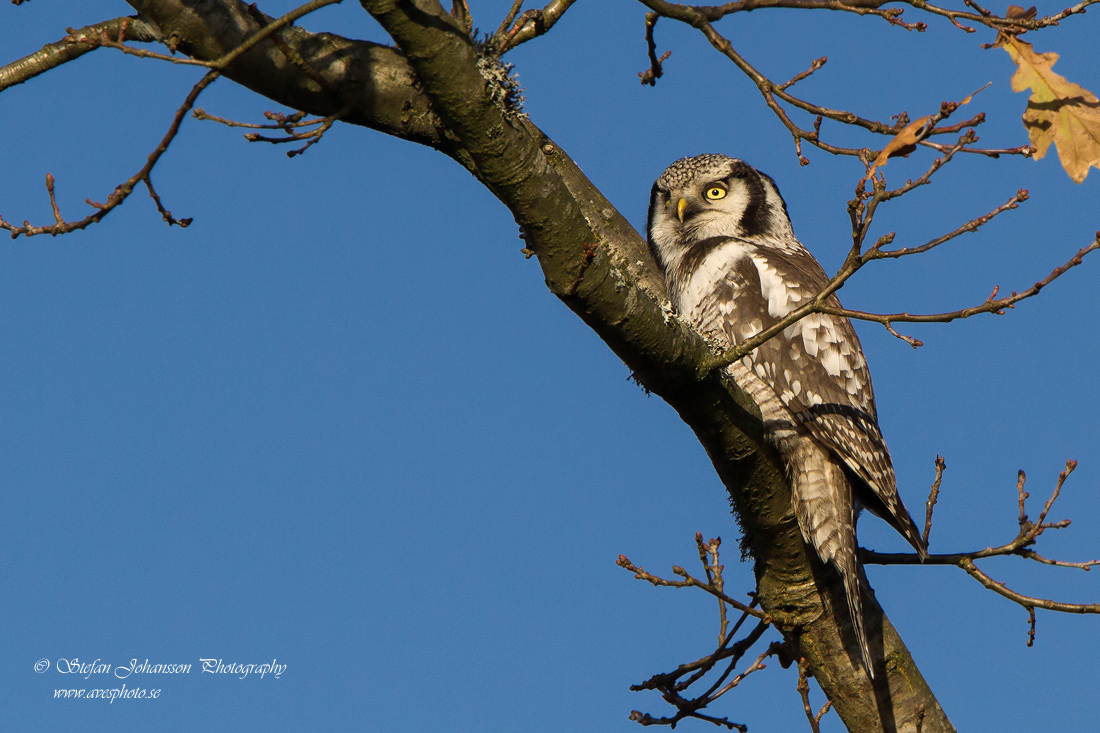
{"x":1058,"y":110}
{"x":905,"y":141}
{"x":1015,"y":12}
{"x":902,"y":144}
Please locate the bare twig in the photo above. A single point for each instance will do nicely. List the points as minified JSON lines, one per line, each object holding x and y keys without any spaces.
{"x":673,"y":684}
{"x":144,"y":175}
{"x":1029,"y":532}
{"x":861,"y":210}
{"x":497,"y":37}
{"x":817,"y":64}
{"x":655,"y":70}
{"x":992,"y":304}
{"x":288,"y":124}
{"x":530,"y":25}
{"x":804,"y":691}
{"x":933,"y":496}
{"x":123,"y":191}
{"x":696,"y":14}
{"x":670,"y":688}
{"x":460,"y":11}
{"x":971,"y":226}
{"x":687,"y":582}
{"x":702,"y":17}
{"x":282,"y":122}
{"x":219,"y":64}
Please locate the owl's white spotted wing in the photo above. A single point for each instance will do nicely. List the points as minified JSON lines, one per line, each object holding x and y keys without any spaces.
{"x":815,"y":367}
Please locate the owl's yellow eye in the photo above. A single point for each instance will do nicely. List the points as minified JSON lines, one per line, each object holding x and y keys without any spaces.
{"x":716,"y":192}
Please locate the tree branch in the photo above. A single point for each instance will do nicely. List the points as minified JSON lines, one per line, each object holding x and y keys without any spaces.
{"x":560,"y":212}
{"x":435,"y":91}
{"x":702,"y":17}
{"x":123,"y":190}
{"x":1029,"y":532}
{"x":75,"y":45}
{"x":531,"y":24}
{"x":693,"y":14}
{"x":372,"y":82}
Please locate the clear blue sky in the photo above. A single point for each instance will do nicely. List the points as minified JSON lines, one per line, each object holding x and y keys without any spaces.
{"x":339,"y":422}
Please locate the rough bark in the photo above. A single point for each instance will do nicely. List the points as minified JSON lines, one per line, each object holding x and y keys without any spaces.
{"x":431,"y":92}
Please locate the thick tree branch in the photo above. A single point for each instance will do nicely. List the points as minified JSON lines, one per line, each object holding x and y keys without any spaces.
{"x":372,"y":83}
{"x":561,"y":215}
{"x":433,"y":91}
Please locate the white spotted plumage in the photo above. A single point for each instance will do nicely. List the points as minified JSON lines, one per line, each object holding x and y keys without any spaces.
{"x":719,"y":230}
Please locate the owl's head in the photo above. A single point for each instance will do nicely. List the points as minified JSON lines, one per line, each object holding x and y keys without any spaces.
{"x":698,"y":199}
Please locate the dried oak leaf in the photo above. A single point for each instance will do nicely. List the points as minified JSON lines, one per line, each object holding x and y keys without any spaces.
{"x":1015,"y":12}
{"x":906,"y":141}
{"x":901,"y":145}
{"x":1058,"y":110}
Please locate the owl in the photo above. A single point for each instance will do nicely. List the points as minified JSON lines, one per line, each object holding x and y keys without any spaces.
{"x":720,"y":232}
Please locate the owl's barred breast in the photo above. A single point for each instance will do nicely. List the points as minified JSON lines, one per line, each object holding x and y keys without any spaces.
{"x":713,"y":310}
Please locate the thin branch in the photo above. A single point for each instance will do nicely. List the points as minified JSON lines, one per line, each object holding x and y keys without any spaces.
{"x":996,"y":306}
{"x":673,"y":684}
{"x":708,"y":556}
{"x":1071,"y":466}
{"x":696,"y":13}
{"x":292,"y":55}
{"x":656,"y":68}
{"x":971,"y":226}
{"x":817,"y":64}
{"x":1025,"y":601}
{"x":933,"y":497}
{"x":269,"y":29}
{"x":754,"y":667}
{"x":1028,"y":534}
{"x":73,"y":46}
{"x":144,"y":175}
{"x":123,"y":191}
{"x":804,"y":691}
{"x":530,"y":25}
{"x":288,"y":124}
{"x":498,"y":36}
{"x":862,"y":208}
{"x":102,"y":40}
{"x":460,"y":11}
{"x":687,"y":582}
{"x":283,"y":122}
{"x":770,"y":90}
{"x":670,"y":687}
{"x":701,"y":17}
{"x":861,"y":212}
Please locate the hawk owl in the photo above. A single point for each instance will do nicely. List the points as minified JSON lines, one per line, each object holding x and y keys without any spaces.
{"x":720,"y":232}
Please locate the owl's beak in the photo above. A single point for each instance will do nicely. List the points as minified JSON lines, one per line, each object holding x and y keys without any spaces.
{"x":681,"y":206}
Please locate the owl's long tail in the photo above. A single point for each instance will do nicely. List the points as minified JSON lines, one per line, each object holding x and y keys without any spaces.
{"x":822,"y":497}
